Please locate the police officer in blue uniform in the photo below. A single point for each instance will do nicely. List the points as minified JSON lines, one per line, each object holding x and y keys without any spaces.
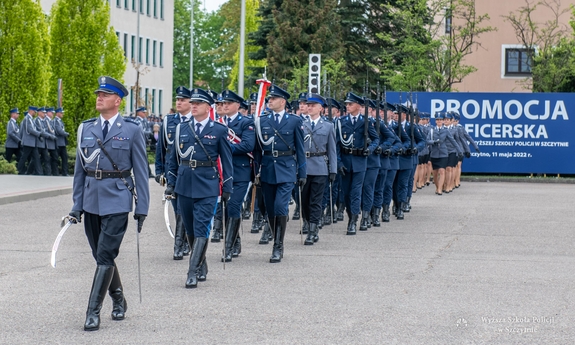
{"x":30,"y":137}
{"x":466,"y":138}
{"x":437,"y":138}
{"x":42,"y":145}
{"x":242,"y":141}
{"x":61,"y":140}
{"x":373,"y":166}
{"x":319,"y":139}
{"x":281,"y":157}
{"x":164,"y":148}
{"x":352,"y":151}
{"x":51,"y":142}
{"x":13,"y":136}
{"x":195,"y":178}
{"x":110,"y":150}
{"x":418,"y":144}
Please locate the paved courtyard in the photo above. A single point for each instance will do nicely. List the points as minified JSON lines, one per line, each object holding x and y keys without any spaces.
{"x":491,"y":263}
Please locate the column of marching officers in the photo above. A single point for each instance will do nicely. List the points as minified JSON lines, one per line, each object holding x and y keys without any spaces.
{"x":313,"y":151}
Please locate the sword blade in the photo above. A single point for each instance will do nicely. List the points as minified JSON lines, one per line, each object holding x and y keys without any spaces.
{"x":138,"y":249}
{"x":57,"y":243}
{"x":167,"y":217}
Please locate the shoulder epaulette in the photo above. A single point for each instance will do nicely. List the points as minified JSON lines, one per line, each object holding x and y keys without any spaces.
{"x":90,"y":120}
{"x":131,"y":121}
{"x":219,"y":123}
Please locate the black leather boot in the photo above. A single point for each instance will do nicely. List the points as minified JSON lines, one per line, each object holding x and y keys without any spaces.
{"x":218,"y":230}
{"x":296,"y":214}
{"x":256,"y":223}
{"x":231,"y":233}
{"x":340,"y":212}
{"x":115,"y":290}
{"x":305,"y":228}
{"x":408,"y":205}
{"x":375,"y":217}
{"x":278,"y":250}
{"x":309,"y":240}
{"x":333,"y":215}
{"x":100,"y":284}
{"x":196,"y":260}
{"x":187,"y":248}
{"x":315,"y":234}
{"x":327,"y":218}
{"x":237,"y":248}
{"x":246,"y":210}
{"x":267,"y":233}
{"x":399,"y":214}
{"x":179,"y":238}
{"x":364,"y":217}
{"x":352,"y":224}
{"x":385,"y":214}
{"x":203,"y":270}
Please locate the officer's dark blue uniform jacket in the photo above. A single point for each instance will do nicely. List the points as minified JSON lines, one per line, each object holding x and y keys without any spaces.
{"x":282,"y":169}
{"x":243,"y":127}
{"x":355,"y":133}
{"x":201,"y":182}
{"x":388,"y":141}
{"x":165,"y":146}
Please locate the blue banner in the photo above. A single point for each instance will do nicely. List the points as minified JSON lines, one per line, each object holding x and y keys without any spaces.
{"x":516,"y":132}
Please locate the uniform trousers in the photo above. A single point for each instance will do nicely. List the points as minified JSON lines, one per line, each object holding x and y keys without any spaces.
{"x":400,"y":185}
{"x":234,"y":206}
{"x":45,"y":161}
{"x":54,"y":162}
{"x":29,"y":154}
{"x":105,"y":234}
{"x":351,"y":189}
{"x":276,"y":198}
{"x":10,"y":151}
{"x":368,"y":188}
{"x":410,"y":181}
{"x":63,"y":153}
{"x":197,"y":214}
{"x":379,"y":186}
{"x":388,"y":186}
{"x":311,"y":198}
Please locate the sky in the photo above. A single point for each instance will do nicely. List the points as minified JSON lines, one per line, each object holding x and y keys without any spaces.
{"x":212,"y":5}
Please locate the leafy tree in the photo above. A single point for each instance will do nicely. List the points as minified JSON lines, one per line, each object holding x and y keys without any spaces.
{"x":24,"y":56}
{"x":208,"y":67}
{"x":550,"y":46}
{"x":84,"y":47}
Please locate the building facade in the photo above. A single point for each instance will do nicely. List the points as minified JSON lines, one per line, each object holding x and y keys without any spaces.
{"x":152,"y":51}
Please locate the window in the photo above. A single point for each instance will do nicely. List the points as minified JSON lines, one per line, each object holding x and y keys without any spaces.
{"x":140,"y":41}
{"x":148,"y":7}
{"x":153,"y":111}
{"x":133,"y":51}
{"x":146,"y":97}
{"x":134,"y":6}
{"x":154,"y":53}
{"x":162,"y":9}
{"x":131,"y":101}
{"x":147,"y":51}
{"x":141,"y":6}
{"x":161,"y":54}
{"x":126,"y":2}
{"x":126,"y":45}
{"x":155,"y":8}
{"x":159,"y":102}
{"x":118,"y":35}
{"x":119,"y":3}
{"x":517,"y":62}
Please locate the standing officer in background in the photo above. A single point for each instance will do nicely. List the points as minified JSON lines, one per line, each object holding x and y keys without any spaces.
{"x":110,"y":149}
{"x":194,"y":177}
{"x":30,"y":137}
{"x":242,"y":141}
{"x":61,"y":140}
{"x":281,"y":157}
{"x":41,"y":144}
{"x":13,"y":137}
{"x":319,"y":139}
{"x":352,"y":151}
{"x":164,"y":148}
{"x":51,"y":142}
{"x":142,"y":121}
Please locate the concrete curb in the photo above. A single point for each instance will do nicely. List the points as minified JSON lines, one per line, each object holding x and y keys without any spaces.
{"x":518,"y":179}
{"x":33,"y":195}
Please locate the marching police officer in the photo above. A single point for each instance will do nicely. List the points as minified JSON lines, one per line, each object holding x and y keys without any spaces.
{"x":61,"y":140}
{"x":242,"y":141}
{"x":30,"y":137}
{"x":164,"y":149}
{"x":142,"y":121}
{"x":320,"y":151}
{"x":13,"y":139}
{"x":352,"y":151}
{"x":41,"y":143}
{"x":110,"y":149}
{"x":281,"y":157}
{"x":195,"y":178}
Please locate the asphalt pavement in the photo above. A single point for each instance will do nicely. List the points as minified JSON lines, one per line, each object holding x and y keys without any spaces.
{"x":491,"y":263}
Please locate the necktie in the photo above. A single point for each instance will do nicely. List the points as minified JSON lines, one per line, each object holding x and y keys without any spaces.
{"x":198,"y":128}
{"x":353,"y":121}
{"x":278,"y":119}
{"x":227,"y":120}
{"x":312,"y":125}
{"x":105,"y":129}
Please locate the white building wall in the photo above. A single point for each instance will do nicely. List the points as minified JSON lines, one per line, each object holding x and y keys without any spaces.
{"x":157,"y":70}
